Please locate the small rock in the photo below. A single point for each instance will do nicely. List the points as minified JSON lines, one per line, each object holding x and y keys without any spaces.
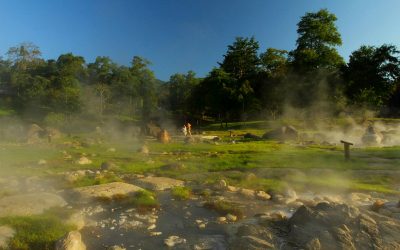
{"x":378,"y":204}
{"x":262,"y":195}
{"x":84,"y":161}
{"x":247,"y":192}
{"x":151,"y":227}
{"x":173,"y":240}
{"x":155,"y":233}
{"x":231,"y":217}
{"x":232,"y":188}
{"x":144,"y":150}
{"x":221,"y":219}
{"x":202,"y":225}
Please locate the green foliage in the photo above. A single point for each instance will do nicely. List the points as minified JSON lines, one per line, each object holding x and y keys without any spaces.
{"x":372,"y":74}
{"x":224,"y":208}
{"x":36,"y":232}
{"x":318,"y":36}
{"x":181,"y":193}
{"x":144,"y":200}
{"x":56,"y":120}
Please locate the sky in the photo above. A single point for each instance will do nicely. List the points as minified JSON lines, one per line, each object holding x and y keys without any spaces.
{"x":182,"y":35}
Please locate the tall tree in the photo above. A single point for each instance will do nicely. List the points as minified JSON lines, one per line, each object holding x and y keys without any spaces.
{"x":317,"y":41}
{"x":241,"y":60}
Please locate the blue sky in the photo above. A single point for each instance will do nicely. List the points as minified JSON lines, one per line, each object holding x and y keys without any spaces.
{"x":181,"y":35}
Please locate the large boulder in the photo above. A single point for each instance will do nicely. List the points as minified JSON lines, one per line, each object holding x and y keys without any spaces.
{"x":340,"y":226}
{"x":71,"y":241}
{"x":282,"y":133}
{"x":29,"y":204}
{"x":106,"y":191}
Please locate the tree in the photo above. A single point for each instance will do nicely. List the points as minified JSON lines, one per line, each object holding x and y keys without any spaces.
{"x":274,"y":62}
{"x":180,"y":87}
{"x":24,"y":55}
{"x":100,"y":74}
{"x":241,"y":60}
{"x":318,"y":37}
{"x":372,"y":74}
{"x":146,"y":85}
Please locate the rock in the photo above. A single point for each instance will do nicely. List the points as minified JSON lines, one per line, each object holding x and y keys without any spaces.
{"x":340,"y":226}
{"x":251,"y":243}
{"x":221,"y":219}
{"x":105,"y":191}
{"x":151,"y":227}
{"x":262,"y":195}
{"x":251,"y":136}
{"x":250,"y":176}
{"x":29,"y":204}
{"x":71,"y":241}
{"x":313,"y":244}
{"x":84,"y":161}
{"x":283,"y":133}
{"x":231,"y":217}
{"x":155,"y":233}
{"x":211,"y":242}
{"x":232,"y":189}
{"x":34,"y":133}
{"x":247,"y":192}
{"x":201,"y":225}
{"x":111,"y":150}
{"x":6,"y":233}
{"x":174,"y":240}
{"x":159,"y":183}
{"x":107,"y":165}
{"x":378,"y":204}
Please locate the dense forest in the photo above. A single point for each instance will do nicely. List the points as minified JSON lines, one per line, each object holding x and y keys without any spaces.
{"x":247,"y":84}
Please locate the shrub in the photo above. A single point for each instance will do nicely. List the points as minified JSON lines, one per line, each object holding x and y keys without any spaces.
{"x":181,"y":193}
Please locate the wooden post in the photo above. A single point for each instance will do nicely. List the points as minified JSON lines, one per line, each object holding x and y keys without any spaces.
{"x":346,"y":149}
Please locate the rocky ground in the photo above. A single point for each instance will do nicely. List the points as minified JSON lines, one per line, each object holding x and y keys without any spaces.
{"x":258,"y":220}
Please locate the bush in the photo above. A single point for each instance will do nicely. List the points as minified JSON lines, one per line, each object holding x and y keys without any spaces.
{"x":144,"y":200}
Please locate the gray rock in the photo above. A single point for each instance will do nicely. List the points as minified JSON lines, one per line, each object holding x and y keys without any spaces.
{"x":211,"y":242}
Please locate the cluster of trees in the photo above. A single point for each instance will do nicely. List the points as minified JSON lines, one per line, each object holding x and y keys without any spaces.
{"x":247,"y":82}
{"x":31,"y":85}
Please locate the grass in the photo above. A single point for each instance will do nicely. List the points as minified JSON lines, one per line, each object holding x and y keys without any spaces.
{"x":101,"y":179}
{"x":181,"y":193}
{"x":144,"y":201}
{"x":36,"y":232}
{"x":224,"y":208}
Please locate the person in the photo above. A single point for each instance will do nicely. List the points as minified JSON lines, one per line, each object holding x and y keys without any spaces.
{"x":184,"y":130}
{"x":189,"y":129}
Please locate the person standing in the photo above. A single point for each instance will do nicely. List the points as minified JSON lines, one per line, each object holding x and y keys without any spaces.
{"x":184,"y":130}
{"x":189,"y":129}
